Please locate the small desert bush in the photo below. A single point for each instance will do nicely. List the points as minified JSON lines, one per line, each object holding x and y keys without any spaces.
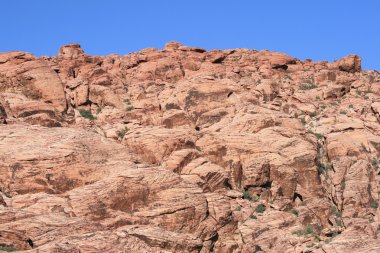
{"x":121,"y":133}
{"x":6,"y":248}
{"x":307,"y":86}
{"x":307,"y":231}
{"x":247,"y":195}
{"x":260,"y":208}
{"x":374,"y":204}
{"x":87,"y":114}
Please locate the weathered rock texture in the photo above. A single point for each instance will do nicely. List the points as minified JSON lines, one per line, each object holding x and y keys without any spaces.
{"x":188,"y":150}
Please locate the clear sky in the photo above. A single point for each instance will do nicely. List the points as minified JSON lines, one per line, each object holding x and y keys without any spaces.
{"x":315,"y":29}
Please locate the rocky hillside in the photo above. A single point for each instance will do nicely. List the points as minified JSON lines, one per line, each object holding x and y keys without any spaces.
{"x":188,"y":150}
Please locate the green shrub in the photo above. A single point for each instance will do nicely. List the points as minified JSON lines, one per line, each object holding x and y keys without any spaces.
{"x":307,"y":86}
{"x":303,"y":232}
{"x":307,"y":231}
{"x":323,"y":167}
{"x":313,"y":114}
{"x":374,"y":204}
{"x":295,"y":212}
{"x":121,"y":133}
{"x":129,"y":108}
{"x":6,"y":248}
{"x":319,"y":136}
{"x":338,"y":222}
{"x":253,"y":217}
{"x":375,"y":164}
{"x":335,"y":211}
{"x":343,"y":112}
{"x":260,"y":208}
{"x":87,"y":114}
{"x":343,"y":184}
{"x":247,"y":195}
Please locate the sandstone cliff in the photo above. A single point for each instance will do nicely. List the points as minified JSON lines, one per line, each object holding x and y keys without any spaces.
{"x":188,"y":150}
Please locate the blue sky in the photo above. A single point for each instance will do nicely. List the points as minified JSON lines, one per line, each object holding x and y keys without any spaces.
{"x":315,"y":29}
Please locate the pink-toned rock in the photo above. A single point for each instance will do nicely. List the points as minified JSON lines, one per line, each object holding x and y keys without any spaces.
{"x":276,"y":60}
{"x":24,"y":73}
{"x":187,"y":150}
{"x":155,"y":144}
{"x":216,"y":56}
{"x":71,"y":51}
{"x":194,"y":49}
{"x":350,"y":63}
{"x":32,"y":111}
{"x":172,"y":45}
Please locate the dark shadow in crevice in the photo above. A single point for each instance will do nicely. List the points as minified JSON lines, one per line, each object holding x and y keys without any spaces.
{"x":266,"y":185}
{"x":296,"y":195}
{"x":30,"y":242}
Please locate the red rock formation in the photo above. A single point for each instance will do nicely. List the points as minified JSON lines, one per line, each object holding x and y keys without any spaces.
{"x":188,"y":150}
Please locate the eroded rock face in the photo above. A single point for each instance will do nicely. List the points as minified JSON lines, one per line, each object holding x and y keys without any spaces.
{"x":188,"y":150}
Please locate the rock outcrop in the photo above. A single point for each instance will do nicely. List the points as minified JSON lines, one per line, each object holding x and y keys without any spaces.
{"x":188,"y":150}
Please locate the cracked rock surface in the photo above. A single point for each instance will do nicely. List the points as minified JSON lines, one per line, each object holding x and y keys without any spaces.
{"x":188,"y":150}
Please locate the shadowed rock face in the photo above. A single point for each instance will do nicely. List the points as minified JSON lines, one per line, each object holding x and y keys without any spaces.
{"x":188,"y":150}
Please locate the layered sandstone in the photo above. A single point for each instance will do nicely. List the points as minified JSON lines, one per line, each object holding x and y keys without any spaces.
{"x":188,"y":150}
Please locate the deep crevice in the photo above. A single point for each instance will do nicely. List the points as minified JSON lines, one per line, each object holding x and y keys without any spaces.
{"x":297,"y":195}
{"x":30,"y":242}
